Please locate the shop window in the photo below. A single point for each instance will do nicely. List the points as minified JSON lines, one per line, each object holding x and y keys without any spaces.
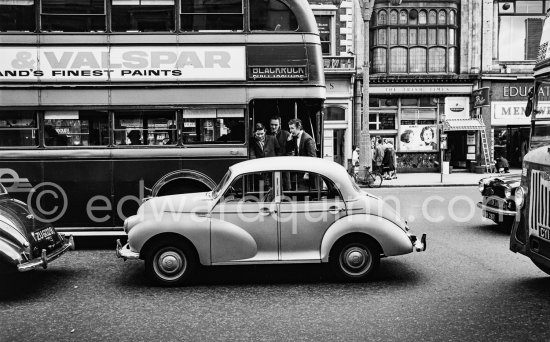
{"x":18,"y":128}
{"x":271,"y":15}
{"x":17,"y":15}
{"x":145,"y":128}
{"x":211,"y":125}
{"x":73,"y":16}
{"x":381,"y":121}
{"x":520,"y":29}
{"x":198,"y":15}
{"x":76,"y":128}
{"x":335,"y":114}
{"x":324,"y":24}
{"x":142,"y":15}
{"x":418,"y":130}
{"x":409,"y":102}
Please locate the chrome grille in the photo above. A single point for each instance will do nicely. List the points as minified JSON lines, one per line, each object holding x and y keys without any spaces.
{"x":539,"y":201}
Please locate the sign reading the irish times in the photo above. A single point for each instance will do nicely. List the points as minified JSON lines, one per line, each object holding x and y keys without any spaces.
{"x":122,"y":64}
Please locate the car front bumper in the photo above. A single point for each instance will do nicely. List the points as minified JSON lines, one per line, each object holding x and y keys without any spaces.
{"x":499,"y":214}
{"x":125,"y":252}
{"x":45,"y":258}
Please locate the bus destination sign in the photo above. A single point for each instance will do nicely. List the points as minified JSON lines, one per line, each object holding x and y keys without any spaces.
{"x":278,"y":72}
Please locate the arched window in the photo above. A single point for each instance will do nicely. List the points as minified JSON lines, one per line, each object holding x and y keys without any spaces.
{"x":382,"y":18}
{"x":437,"y":60}
{"x":393,"y":18}
{"x":335,"y":114}
{"x":452,"y":18}
{"x":432,"y":18}
{"x":379,"y":60}
{"x":382,"y":37}
{"x":403,"y":18}
{"x":422,"y":18}
{"x":442,"y":18}
{"x":417,"y":59}
{"x":413,"y":17}
{"x":398,"y":60}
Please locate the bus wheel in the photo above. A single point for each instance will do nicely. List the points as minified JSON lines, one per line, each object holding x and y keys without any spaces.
{"x":170,"y":263}
{"x":542,"y":267}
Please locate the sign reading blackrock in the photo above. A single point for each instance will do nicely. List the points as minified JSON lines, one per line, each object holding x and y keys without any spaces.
{"x":122,"y":63}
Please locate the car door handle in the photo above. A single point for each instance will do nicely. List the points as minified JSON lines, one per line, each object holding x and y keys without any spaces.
{"x":266,"y":211}
{"x":335,"y":210}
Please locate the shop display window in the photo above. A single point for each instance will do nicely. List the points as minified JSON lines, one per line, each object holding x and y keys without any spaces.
{"x":213,"y":125}
{"x":198,"y":15}
{"x":76,"y":128}
{"x":153,"y":127}
{"x":18,"y":128}
{"x":17,"y":15}
{"x":142,"y":16}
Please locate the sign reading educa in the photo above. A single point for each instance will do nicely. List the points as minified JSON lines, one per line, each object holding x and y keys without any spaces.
{"x":480,"y":97}
{"x":277,"y":72}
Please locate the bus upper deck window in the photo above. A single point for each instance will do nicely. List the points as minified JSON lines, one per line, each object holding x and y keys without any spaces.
{"x":18,"y":128}
{"x":198,"y":15}
{"x":76,"y":128}
{"x":271,"y":15}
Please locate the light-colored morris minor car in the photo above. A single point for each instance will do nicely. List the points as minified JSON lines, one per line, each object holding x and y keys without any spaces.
{"x":268,"y":211}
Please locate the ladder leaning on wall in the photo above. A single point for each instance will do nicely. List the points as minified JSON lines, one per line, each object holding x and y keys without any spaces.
{"x":489,"y":165}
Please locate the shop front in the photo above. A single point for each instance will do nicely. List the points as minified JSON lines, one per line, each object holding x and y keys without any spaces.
{"x":509,"y":125}
{"x":409,"y":117}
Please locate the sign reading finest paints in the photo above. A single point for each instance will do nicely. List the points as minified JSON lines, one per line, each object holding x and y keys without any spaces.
{"x":122,"y":64}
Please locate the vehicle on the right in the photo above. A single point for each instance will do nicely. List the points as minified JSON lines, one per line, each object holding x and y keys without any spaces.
{"x":530,"y":233}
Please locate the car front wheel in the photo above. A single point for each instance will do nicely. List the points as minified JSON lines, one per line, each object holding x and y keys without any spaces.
{"x":170,"y":263}
{"x":355,"y":260}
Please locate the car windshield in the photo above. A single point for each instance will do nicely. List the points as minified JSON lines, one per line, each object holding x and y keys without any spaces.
{"x":221,"y":184}
{"x":541,"y":134}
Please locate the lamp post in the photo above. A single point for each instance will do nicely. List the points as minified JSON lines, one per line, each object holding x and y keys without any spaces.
{"x":365,"y":157}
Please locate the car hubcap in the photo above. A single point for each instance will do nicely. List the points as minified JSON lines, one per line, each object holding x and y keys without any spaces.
{"x":355,"y":260}
{"x":170,"y":264}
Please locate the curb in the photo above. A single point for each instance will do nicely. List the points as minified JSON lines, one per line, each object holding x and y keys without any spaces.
{"x":431,"y":185}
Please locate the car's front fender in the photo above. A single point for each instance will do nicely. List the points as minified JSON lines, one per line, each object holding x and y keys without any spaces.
{"x":196,"y":230}
{"x":392,"y":239}
{"x":10,"y":253}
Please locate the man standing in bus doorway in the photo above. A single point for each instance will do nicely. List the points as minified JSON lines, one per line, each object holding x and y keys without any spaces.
{"x":282,"y":136}
{"x":263,"y":145}
{"x":303,"y":143}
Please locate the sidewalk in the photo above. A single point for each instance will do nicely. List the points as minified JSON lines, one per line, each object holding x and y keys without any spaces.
{"x":434,"y":179}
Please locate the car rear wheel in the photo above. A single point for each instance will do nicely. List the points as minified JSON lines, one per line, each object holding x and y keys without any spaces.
{"x":542,"y":267}
{"x":170,"y":262}
{"x":355,"y":260}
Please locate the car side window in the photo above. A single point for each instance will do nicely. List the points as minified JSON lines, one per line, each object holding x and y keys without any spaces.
{"x":301,"y":186}
{"x":252,"y":187}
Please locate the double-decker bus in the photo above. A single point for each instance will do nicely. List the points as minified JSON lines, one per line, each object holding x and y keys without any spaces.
{"x":530,"y":233}
{"x":105,"y":102}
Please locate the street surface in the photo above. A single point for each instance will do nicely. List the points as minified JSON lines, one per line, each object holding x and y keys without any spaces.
{"x":467,"y":286}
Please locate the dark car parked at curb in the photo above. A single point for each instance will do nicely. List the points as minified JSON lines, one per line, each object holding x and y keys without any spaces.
{"x":497,"y":203}
{"x":26,"y":242}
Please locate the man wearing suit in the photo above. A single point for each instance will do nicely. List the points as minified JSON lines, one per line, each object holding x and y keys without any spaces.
{"x":303,"y":143}
{"x":263,"y":145}
{"x":282,"y":136}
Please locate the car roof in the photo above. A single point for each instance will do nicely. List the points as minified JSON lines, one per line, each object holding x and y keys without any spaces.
{"x":336,"y":172}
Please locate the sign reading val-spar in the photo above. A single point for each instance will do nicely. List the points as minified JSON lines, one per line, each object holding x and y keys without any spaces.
{"x":417,"y":138}
{"x":122,"y":63}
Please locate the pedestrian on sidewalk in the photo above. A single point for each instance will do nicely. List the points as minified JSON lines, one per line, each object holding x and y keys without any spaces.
{"x":378,"y":157}
{"x":389,"y":161}
{"x":502,"y":165}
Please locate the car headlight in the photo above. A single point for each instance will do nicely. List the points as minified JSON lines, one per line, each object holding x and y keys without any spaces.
{"x":508,"y":193}
{"x":481,"y":185}
{"x":519,"y":197}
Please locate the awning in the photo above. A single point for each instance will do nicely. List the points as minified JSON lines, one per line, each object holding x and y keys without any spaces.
{"x":462,"y":125}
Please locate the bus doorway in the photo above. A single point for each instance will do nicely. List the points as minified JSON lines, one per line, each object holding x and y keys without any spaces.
{"x":309,"y":111}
